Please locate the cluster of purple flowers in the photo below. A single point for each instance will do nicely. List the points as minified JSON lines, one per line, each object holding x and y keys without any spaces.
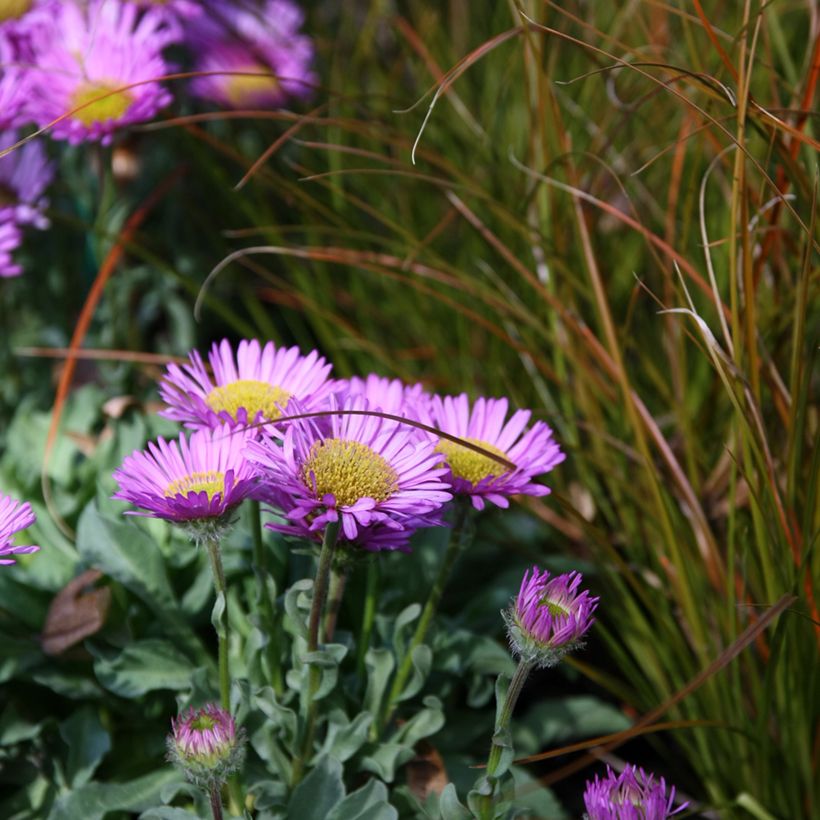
{"x":380,"y":458}
{"x":82,"y":70}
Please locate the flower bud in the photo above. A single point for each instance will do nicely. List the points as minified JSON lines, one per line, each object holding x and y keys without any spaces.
{"x":631,"y":795}
{"x":206,"y":745}
{"x":549,"y":617}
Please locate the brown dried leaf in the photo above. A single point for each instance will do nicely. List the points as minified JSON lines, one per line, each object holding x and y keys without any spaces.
{"x":75,"y":613}
{"x":116,"y":406}
{"x":425,"y":772}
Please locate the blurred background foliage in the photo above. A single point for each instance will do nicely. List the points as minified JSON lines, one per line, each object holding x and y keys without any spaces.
{"x":611,"y":219}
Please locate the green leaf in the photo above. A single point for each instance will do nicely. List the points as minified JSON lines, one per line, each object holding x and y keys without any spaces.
{"x":94,"y":800}
{"x":422,"y":659}
{"x":403,"y":621}
{"x":126,"y":553}
{"x":297,"y":606}
{"x":319,"y":792}
{"x":17,"y":655}
{"x":379,"y":664}
{"x":345,"y":737}
{"x":88,"y":743}
{"x":450,"y":806}
{"x":367,"y":803}
{"x":386,"y":758}
{"x":167,"y":813}
{"x":424,"y":723}
{"x":144,"y":667}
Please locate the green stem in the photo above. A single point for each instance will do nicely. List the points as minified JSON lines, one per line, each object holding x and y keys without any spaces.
{"x":320,"y":587}
{"x":216,"y":803}
{"x":454,"y":548}
{"x":497,"y":749}
{"x":223,"y":638}
{"x":368,"y":616}
{"x":270,"y":622}
{"x":338,"y":582}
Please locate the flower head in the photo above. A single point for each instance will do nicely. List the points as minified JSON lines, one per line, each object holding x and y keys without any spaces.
{"x":264,"y":57}
{"x":197,"y":481}
{"x":206,"y":745}
{"x":25,"y":173}
{"x":549,"y":617}
{"x":14,"y":84}
{"x":388,"y":395}
{"x":533,"y":451}
{"x":14,"y":516}
{"x":97,"y":69}
{"x":630,"y":795}
{"x":256,"y":385}
{"x":373,"y":475}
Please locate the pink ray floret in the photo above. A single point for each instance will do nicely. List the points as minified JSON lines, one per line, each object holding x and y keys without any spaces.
{"x":14,"y":517}
{"x":631,"y":795}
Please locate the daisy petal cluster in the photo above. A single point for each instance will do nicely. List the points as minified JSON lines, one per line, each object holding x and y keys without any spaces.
{"x":198,"y":481}
{"x":205,"y":744}
{"x":372,"y":475}
{"x":630,"y":795}
{"x":97,"y":68}
{"x":532,"y":451}
{"x":255,"y":385}
{"x":549,"y":617}
{"x":14,"y":517}
{"x":388,"y":395}
{"x":251,"y":56}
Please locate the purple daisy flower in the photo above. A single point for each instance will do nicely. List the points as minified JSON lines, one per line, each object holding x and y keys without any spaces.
{"x":14,"y":516}
{"x":91,"y":67}
{"x":197,"y":480}
{"x":10,"y":239}
{"x":549,"y":617}
{"x":20,"y":18}
{"x":630,"y":795}
{"x":255,"y":386}
{"x":533,"y":451}
{"x":25,"y":173}
{"x":373,"y":475}
{"x":259,"y":40}
{"x":206,"y":745}
{"x":14,"y":85}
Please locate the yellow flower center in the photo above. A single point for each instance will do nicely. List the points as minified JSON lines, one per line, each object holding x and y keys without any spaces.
{"x":468,"y":464}
{"x":13,"y":9}
{"x":254,"y":396}
{"x":202,"y":723}
{"x":238,"y":88}
{"x":556,"y":610}
{"x":110,"y":107}
{"x":212,"y":482}
{"x":350,"y":470}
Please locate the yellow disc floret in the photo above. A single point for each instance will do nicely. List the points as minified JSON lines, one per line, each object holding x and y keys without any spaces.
{"x":254,"y":396}
{"x":13,"y":9}
{"x":349,"y":470}
{"x":470,"y":465}
{"x":556,"y":610}
{"x":240,"y":88}
{"x":102,"y":102}
{"x":212,"y":482}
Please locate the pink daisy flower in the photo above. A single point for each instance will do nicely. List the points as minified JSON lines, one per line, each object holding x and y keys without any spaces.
{"x":264,"y":41}
{"x":14,"y":85}
{"x":630,"y":795}
{"x":388,"y":395}
{"x":14,"y":516}
{"x":255,"y":386}
{"x":86,"y":64}
{"x":533,"y":451}
{"x":374,"y":476}
{"x":200,"y":479}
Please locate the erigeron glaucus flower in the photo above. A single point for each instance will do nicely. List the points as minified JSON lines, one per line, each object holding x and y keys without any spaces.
{"x":533,"y":451}
{"x":20,"y":18}
{"x":549,"y":617}
{"x":25,"y":173}
{"x":372,"y":475}
{"x":630,"y":795}
{"x":14,"y":84}
{"x":14,"y":517}
{"x":206,"y":745}
{"x":197,"y":481}
{"x":255,"y":386}
{"x":247,"y":39}
{"x":97,"y":68}
{"x":10,"y":239}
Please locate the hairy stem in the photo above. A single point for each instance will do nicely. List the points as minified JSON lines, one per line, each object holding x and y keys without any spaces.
{"x":212,"y":545}
{"x":338,"y":582}
{"x":216,"y":803}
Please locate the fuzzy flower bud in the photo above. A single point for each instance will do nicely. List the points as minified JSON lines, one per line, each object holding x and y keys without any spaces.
{"x":630,"y":795}
{"x":206,"y":745}
{"x":549,"y":617}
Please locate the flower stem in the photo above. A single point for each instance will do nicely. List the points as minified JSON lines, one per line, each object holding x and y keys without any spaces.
{"x":497,"y":749}
{"x":368,"y":616}
{"x":271,"y":625}
{"x":216,"y":803}
{"x":338,"y":582}
{"x":223,"y":638}
{"x":458,"y":541}
{"x":320,"y":587}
